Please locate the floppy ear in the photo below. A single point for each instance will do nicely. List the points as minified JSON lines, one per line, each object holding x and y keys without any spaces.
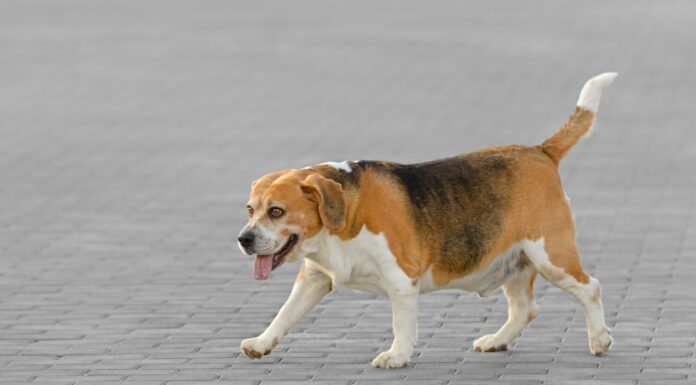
{"x":330,"y":202}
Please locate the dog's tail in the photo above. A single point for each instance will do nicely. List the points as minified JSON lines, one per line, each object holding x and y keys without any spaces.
{"x":580,"y":123}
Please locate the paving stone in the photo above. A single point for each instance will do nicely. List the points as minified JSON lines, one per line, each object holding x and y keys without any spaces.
{"x":131,"y":131}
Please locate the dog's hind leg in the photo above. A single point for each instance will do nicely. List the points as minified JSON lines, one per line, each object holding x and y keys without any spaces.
{"x":557,"y":260}
{"x":521,"y":310}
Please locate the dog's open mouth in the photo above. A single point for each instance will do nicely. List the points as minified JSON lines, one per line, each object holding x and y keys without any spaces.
{"x":264,"y":264}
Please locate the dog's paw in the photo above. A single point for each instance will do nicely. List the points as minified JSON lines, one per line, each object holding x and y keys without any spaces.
{"x":490,"y":343}
{"x":389,"y":359}
{"x":258,"y":347}
{"x":600,"y":342}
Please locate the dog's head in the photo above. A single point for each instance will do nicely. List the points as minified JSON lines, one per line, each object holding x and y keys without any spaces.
{"x":287,"y":208}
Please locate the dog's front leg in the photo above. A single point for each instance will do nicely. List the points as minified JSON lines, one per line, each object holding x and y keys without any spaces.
{"x":404,"y":301}
{"x":311,"y":286}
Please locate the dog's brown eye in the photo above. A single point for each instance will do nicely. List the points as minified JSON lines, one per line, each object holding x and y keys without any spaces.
{"x":275,"y":212}
{"x":250,"y":210}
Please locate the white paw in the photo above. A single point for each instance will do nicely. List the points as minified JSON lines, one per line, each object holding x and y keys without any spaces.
{"x":600,"y":342}
{"x":490,"y":343}
{"x":391,"y":359}
{"x":258,"y":347}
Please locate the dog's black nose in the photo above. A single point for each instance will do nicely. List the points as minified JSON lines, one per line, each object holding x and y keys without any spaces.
{"x":246,"y":239}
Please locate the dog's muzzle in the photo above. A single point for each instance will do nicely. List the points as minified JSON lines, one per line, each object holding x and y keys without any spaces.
{"x":246,"y":241}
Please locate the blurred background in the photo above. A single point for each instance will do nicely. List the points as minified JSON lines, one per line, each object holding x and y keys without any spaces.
{"x":130,"y":132}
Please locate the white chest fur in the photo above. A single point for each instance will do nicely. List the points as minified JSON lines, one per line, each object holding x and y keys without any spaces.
{"x":363,"y":263}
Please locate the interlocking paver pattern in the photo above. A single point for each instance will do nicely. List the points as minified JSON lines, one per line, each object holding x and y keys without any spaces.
{"x":130,"y":132}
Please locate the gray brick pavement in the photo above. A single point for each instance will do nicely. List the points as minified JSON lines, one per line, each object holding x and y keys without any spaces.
{"x":130,"y":132}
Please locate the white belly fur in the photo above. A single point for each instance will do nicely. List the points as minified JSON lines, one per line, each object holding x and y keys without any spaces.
{"x":501,"y":269}
{"x":366,"y":263}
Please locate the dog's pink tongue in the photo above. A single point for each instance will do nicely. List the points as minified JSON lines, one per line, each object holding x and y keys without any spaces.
{"x":262,"y":266}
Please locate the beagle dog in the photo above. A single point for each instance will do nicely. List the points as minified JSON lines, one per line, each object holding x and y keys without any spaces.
{"x":489,"y":218}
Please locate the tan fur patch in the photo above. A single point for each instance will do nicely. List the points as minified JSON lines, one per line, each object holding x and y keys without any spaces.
{"x":300,"y":275}
{"x":381,"y":210}
{"x":530,"y":291}
{"x":565,"y":138}
{"x":596,"y":296}
{"x":329,"y":197}
{"x":530,"y":317}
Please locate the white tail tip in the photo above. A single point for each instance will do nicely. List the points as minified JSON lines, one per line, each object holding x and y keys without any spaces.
{"x":592,"y":91}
